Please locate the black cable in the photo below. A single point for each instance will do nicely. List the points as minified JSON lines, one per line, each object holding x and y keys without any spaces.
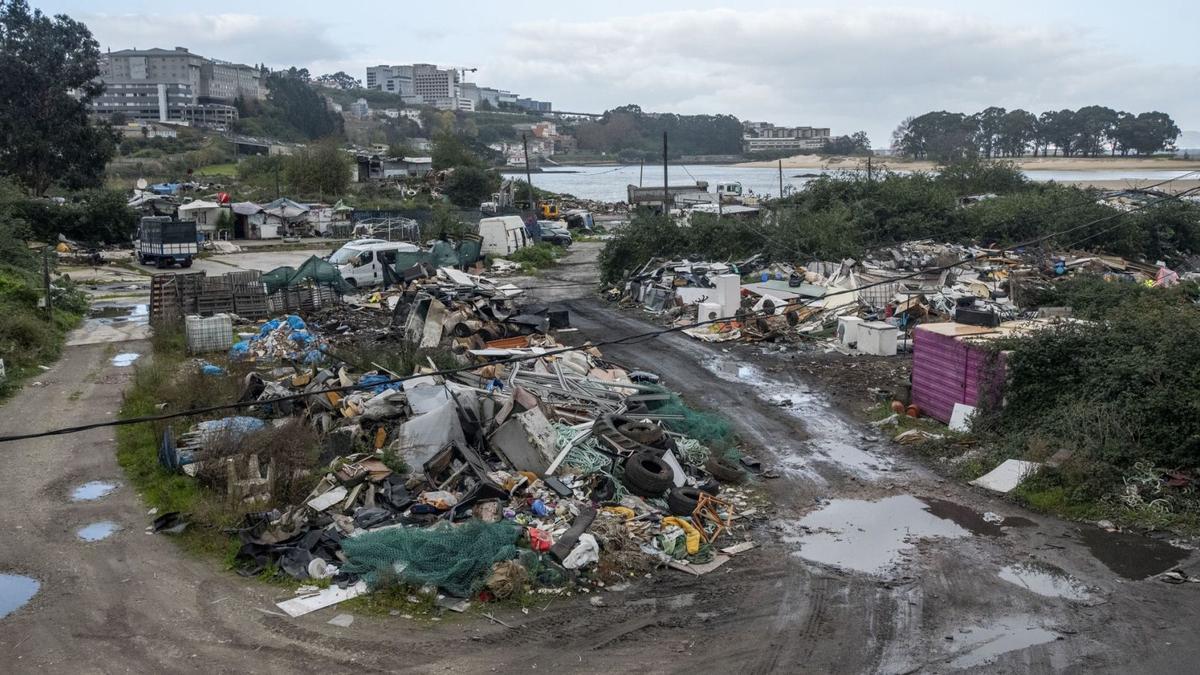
{"x":553,"y":352}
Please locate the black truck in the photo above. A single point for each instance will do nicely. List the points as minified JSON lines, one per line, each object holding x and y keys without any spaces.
{"x":163,"y":242}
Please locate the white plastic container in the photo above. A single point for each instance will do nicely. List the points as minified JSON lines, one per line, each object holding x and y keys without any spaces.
{"x":847,"y":330}
{"x":208,"y":334}
{"x":877,"y":338}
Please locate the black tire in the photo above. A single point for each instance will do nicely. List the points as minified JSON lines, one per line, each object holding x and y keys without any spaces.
{"x":712,"y":486}
{"x":682,"y":501}
{"x":647,"y":475}
{"x":186,"y":263}
{"x":723,"y":470}
{"x":642,"y":432}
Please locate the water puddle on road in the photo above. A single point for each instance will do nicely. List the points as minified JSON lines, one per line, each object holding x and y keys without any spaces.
{"x":15,"y":591}
{"x":1132,"y":556}
{"x":98,"y":531}
{"x":830,"y":438}
{"x":967,"y":518}
{"x":869,"y":537}
{"x":92,"y":490}
{"x":986,"y":644}
{"x":1046,"y":580}
{"x":117,"y":314}
{"x":126,"y":359}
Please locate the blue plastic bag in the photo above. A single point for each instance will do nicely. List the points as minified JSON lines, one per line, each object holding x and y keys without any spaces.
{"x":296,"y":322}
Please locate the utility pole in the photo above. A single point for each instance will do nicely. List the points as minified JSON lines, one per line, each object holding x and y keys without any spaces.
{"x":46,"y":281}
{"x":868,"y":168}
{"x":528,"y":175}
{"x":666,"y":190}
{"x":641,"y":172}
{"x":781,"y":178}
{"x":277,"y":163}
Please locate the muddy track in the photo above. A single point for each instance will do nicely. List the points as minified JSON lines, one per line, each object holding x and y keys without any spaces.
{"x":137,"y":602}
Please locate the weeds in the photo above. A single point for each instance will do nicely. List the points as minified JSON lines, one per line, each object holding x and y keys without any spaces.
{"x":536,"y":257}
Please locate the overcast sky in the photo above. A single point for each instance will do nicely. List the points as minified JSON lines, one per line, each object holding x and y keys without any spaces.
{"x":860,"y":66}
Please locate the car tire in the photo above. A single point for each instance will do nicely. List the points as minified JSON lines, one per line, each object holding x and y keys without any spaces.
{"x":647,"y":475}
{"x":723,"y":470}
{"x":186,"y":263}
{"x":682,"y":501}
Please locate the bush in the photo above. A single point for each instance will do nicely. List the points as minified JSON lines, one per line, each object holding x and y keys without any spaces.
{"x":536,"y":257}
{"x":1117,"y":392}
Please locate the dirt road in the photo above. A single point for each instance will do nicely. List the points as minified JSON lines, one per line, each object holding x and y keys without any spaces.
{"x":867,"y":563}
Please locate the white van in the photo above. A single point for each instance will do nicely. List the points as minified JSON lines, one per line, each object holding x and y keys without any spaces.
{"x":361,"y":262}
{"x":503,"y":235}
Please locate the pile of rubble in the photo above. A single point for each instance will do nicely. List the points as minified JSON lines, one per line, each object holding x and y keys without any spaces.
{"x":531,"y":464}
{"x":830,"y":304}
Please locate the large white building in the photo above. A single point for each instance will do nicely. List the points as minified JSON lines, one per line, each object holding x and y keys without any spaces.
{"x":174,"y":85}
{"x":764,"y":137}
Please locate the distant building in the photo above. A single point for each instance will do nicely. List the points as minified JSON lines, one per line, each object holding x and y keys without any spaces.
{"x":533,"y":105}
{"x":764,"y":136}
{"x":359,"y":109}
{"x":174,"y":85}
{"x":139,"y":129}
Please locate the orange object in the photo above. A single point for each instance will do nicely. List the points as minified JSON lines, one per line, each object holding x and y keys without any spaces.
{"x":913,"y":411}
{"x":539,"y":540}
{"x":518,"y":342}
{"x":898,"y":407}
{"x":380,"y":437}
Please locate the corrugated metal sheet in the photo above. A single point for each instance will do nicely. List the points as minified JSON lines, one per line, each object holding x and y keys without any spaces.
{"x":946,"y":370}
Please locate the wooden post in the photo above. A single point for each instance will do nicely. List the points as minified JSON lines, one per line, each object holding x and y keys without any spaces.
{"x":529,"y":177}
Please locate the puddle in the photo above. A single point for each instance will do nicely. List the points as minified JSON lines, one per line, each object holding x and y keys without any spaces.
{"x":1132,"y":556}
{"x":983,"y":645}
{"x":98,"y":531}
{"x":869,"y":537}
{"x":15,"y":591}
{"x":1018,"y":521}
{"x":830,"y":439}
{"x":117,"y":314}
{"x":92,"y":490}
{"x":1046,"y":580}
{"x":967,"y":518}
{"x":125,"y":359}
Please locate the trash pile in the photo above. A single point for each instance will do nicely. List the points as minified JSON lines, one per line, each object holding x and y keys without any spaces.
{"x":528,"y":466}
{"x":825,"y":304}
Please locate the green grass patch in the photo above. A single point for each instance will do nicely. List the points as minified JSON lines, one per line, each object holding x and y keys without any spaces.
{"x":536,"y":257}
{"x":227,"y":170}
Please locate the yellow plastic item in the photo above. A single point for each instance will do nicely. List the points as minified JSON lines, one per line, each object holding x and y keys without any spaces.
{"x":623,"y":511}
{"x":689,"y":530}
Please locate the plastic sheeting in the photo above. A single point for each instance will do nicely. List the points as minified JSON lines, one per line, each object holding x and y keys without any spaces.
{"x":314,"y":270}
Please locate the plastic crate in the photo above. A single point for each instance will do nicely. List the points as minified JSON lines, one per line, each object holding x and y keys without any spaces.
{"x":208,"y":334}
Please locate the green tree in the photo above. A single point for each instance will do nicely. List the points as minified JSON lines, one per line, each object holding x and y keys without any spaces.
{"x":48,"y":71}
{"x":469,"y":186}
{"x":857,"y":143}
{"x":988,"y":129}
{"x":450,"y":151}
{"x":322,"y":169}
{"x":941,"y":136}
{"x":1018,"y":130}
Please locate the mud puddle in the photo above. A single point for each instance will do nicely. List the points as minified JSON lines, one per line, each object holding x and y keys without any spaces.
{"x":965,"y":517}
{"x":869,"y":537}
{"x":830,"y":439}
{"x":981,"y":646}
{"x":15,"y":591}
{"x":103,"y":314}
{"x":1046,"y":580}
{"x":92,"y":490}
{"x":98,"y":531}
{"x":1132,"y":556}
{"x":125,"y":359}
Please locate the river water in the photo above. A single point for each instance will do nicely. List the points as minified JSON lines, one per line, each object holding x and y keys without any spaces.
{"x":608,"y":183}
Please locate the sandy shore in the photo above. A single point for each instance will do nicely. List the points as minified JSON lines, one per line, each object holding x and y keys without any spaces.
{"x":1027,"y":163}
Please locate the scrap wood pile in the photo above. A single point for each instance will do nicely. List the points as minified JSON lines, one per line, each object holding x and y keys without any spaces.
{"x":899,"y":286}
{"x":551,"y":470}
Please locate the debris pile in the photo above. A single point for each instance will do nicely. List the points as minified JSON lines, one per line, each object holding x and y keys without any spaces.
{"x":532,"y":464}
{"x":831,"y":305}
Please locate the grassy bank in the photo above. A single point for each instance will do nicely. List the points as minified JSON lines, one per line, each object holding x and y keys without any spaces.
{"x":29,"y":338}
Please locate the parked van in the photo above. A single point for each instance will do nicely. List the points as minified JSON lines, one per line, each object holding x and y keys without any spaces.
{"x":361,"y":262}
{"x":503,"y":235}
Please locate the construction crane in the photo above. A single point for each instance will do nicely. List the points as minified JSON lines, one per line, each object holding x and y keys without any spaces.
{"x":462,"y":72}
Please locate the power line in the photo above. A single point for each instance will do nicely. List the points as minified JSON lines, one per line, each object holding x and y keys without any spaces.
{"x":520,"y":358}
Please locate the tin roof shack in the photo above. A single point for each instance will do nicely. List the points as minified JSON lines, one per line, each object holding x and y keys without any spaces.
{"x":951,"y":364}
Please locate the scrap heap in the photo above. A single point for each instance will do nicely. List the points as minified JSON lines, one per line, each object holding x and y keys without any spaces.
{"x":524,"y":463}
{"x":892,"y":290}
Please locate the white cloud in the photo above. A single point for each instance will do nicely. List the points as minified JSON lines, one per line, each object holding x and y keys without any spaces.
{"x":849,"y":69}
{"x":248,"y":38}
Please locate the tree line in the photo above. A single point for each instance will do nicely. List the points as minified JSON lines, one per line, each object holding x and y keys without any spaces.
{"x":1091,"y":131}
{"x":633,"y":134}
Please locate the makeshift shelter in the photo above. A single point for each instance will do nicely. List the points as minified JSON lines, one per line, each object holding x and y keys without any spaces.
{"x":205,"y":213}
{"x":286,"y":213}
{"x":250,"y":222}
